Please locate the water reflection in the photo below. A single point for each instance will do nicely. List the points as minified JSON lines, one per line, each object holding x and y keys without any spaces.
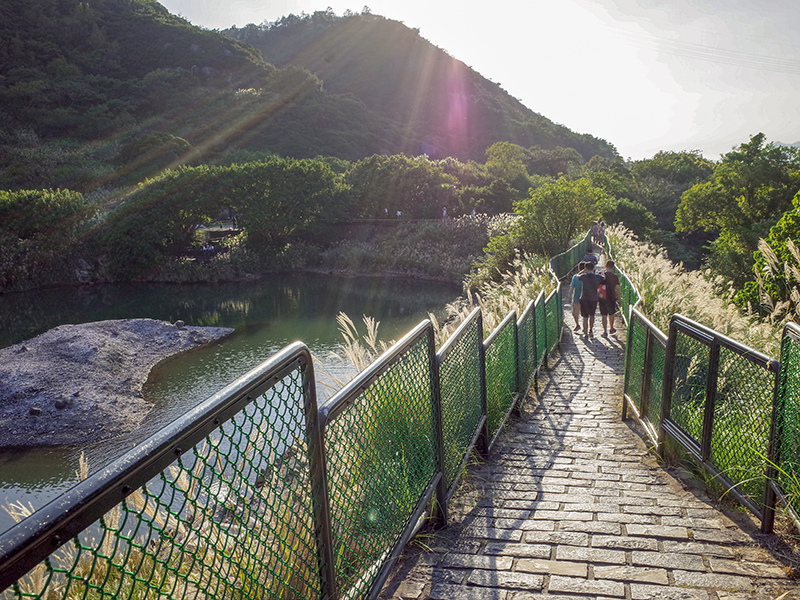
{"x":267,"y":314}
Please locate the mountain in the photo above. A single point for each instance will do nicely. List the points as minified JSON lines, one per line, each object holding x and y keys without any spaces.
{"x":103,"y":93}
{"x":442,"y":106}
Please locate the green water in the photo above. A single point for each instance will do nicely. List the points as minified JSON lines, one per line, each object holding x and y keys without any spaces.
{"x":267,"y":314}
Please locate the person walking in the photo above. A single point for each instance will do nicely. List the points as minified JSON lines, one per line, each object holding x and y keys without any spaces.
{"x":595,"y":231}
{"x":576,"y":285}
{"x":590,"y":256}
{"x":591,"y":282}
{"x":608,"y":301}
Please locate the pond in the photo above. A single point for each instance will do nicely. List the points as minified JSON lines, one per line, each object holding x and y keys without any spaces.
{"x":267,"y":314}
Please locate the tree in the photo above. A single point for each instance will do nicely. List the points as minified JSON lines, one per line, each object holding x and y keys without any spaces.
{"x":749,"y":190}
{"x":506,"y":161}
{"x":415,"y":186}
{"x":280,"y":198}
{"x":658,"y":182}
{"x":556,"y":213}
{"x":776,"y":264}
{"x":38,"y":232}
{"x":627,"y":212}
{"x":159,"y":219}
{"x":560,"y":161}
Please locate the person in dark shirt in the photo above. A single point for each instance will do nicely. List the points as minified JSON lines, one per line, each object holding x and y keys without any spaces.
{"x":591,"y":282}
{"x":590,"y":256}
{"x":576,"y":287}
{"x":608,"y":306}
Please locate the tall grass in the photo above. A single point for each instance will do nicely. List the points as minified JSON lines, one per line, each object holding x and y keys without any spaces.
{"x":522,"y":283}
{"x":667,"y":288}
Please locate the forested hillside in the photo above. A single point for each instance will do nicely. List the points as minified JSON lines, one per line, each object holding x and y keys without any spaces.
{"x":444,"y":107}
{"x":107,"y":92}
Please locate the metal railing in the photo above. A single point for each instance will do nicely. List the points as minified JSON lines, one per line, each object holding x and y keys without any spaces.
{"x":735,"y":410}
{"x":259,"y":493}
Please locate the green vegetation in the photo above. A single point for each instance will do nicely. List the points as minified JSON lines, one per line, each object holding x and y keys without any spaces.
{"x":105,"y":94}
{"x":38,"y":229}
{"x":429,"y":102}
{"x":751,"y":187}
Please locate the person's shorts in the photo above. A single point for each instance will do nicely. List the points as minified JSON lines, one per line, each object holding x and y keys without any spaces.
{"x":588,"y":308}
{"x":576,"y":308}
{"x":608,"y":307}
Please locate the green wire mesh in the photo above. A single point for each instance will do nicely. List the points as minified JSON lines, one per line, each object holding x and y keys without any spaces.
{"x":563,"y":263}
{"x":541,"y":331}
{"x":380,"y":459}
{"x":501,"y":376}
{"x":788,"y":416}
{"x":231,"y":518}
{"x":460,"y":391}
{"x":657,"y":360}
{"x":742,"y":417}
{"x":553,"y":320}
{"x":628,"y":294}
{"x":689,"y":387}
{"x":526,"y":342}
{"x":637,"y":338}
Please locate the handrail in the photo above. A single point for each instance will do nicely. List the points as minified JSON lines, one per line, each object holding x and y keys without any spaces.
{"x":233,"y":463}
{"x":732,"y":408}
{"x":35,"y":538}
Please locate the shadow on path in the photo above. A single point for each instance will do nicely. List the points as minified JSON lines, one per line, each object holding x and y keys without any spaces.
{"x":570,"y":504}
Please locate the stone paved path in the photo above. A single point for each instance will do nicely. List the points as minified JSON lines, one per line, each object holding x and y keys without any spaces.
{"x":570,"y":505}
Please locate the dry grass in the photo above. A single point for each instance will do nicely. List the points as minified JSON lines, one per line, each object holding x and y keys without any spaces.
{"x":667,"y":288}
{"x":522,"y":283}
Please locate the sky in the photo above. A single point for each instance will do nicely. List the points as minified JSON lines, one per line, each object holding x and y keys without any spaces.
{"x":645,"y":75}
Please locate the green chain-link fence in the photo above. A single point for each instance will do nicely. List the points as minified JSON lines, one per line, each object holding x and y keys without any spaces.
{"x":501,"y":373}
{"x":462,"y":377}
{"x":380,"y":435}
{"x":718,"y":404}
{"x":719,"y":400}
{"x":258,"y":494}
{"x":218,"y":505}
{"x":784,"y":466}
{"x":526,"y":343}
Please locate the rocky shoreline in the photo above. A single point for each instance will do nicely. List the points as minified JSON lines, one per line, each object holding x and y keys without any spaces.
{"x":81,"y":383}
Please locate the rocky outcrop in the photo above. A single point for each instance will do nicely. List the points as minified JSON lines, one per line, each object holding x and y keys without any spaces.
{"x":82,"y":383}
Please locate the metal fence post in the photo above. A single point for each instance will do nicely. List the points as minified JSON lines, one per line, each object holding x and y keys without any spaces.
{"x":517,"y":371}
{"x":774,"y":444}
{"x":647,"y":376}
{"x":711,"y":400}
{"x":319,"y":488}
{"x":483,"y":440}
{"x":436,"y":397}
{"x":626,"y":378}
{"x":666,"y":389}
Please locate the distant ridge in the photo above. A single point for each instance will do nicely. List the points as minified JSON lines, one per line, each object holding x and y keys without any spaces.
{"x":442,"y":106}
{"x":109,"y":92}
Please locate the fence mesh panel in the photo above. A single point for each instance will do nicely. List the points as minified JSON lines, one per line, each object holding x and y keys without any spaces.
{"x":526,"y":341}
{"x":380,"y":459}
{"x":742,"y":416}
{"x":637,"y":337}
{"x":501,"y":377}
{"x":552,"y":320}
{"x":628,"y":294}
{"x":788,"y":426}
{"x":459,"y":374}
{"x":689,"y":388}
{"x":658,"y":358}
{"x":541,"y":332}
{"x":231,"y":518}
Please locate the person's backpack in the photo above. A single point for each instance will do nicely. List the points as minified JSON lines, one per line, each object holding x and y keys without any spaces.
{"x":602,"y":292}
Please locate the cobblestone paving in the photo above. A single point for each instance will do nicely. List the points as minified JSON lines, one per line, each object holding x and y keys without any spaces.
{"x":570,"y":505}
